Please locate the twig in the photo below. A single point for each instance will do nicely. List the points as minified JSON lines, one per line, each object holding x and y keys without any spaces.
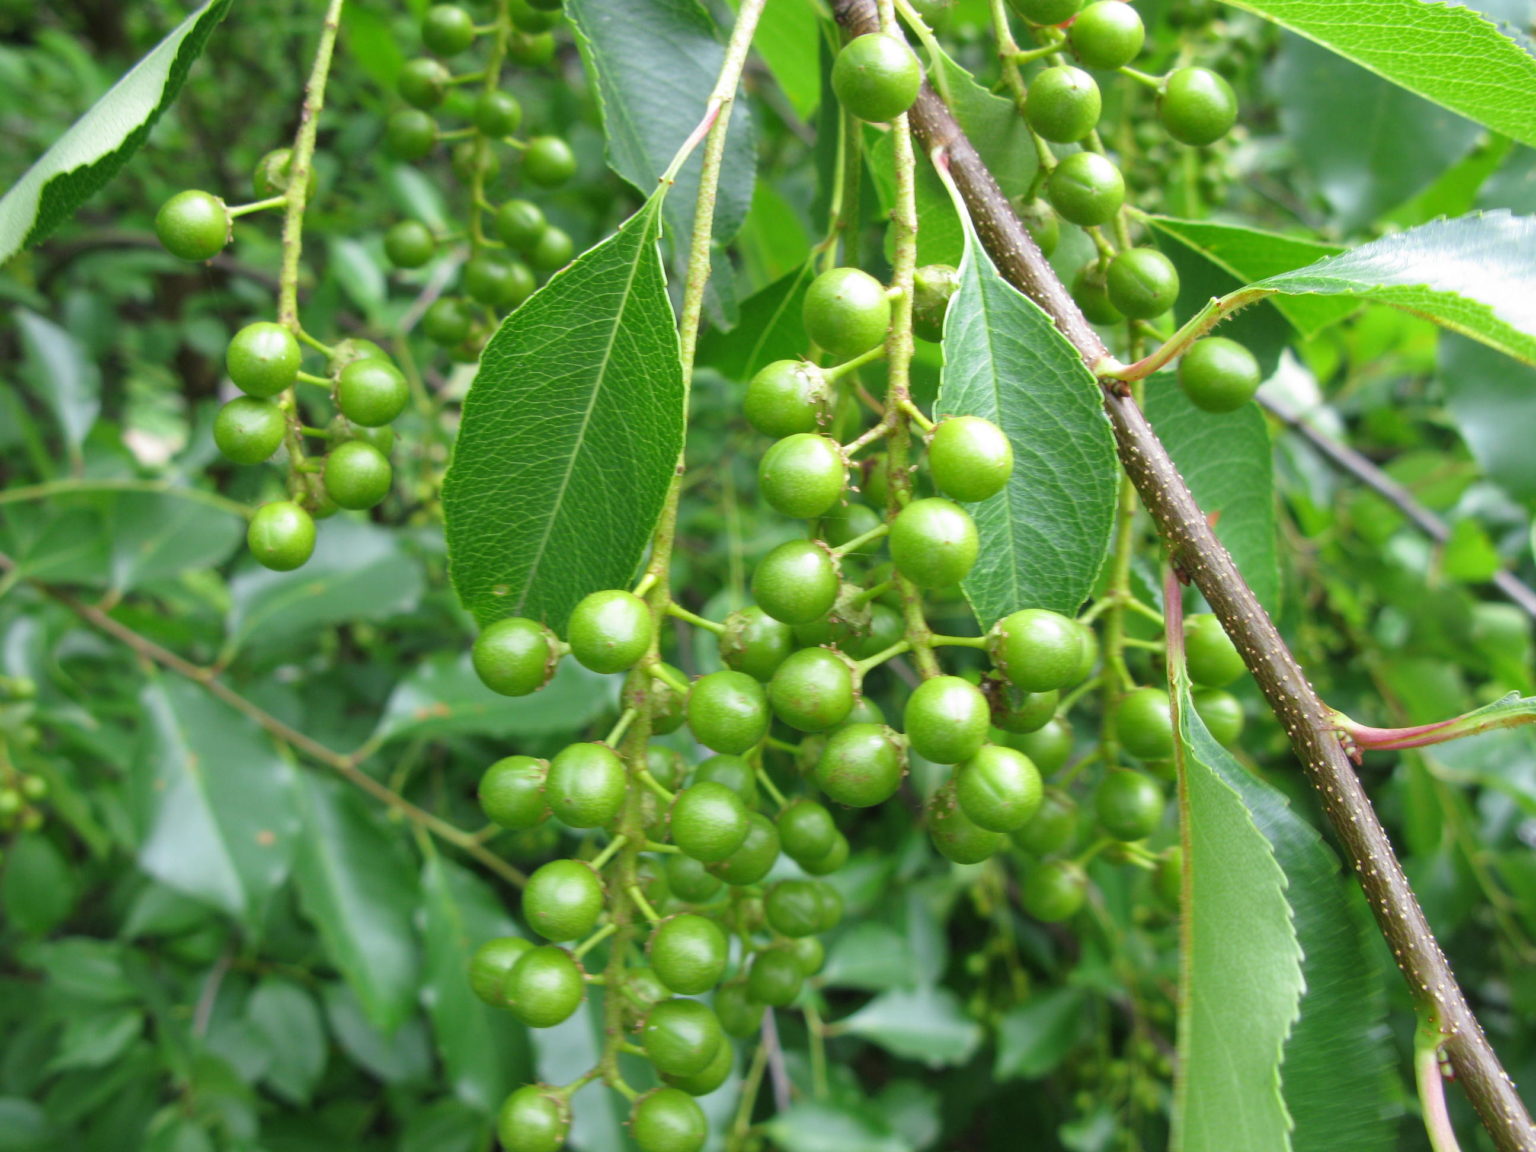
{"x":1346,"y":459}
{"x":1197,"y":554}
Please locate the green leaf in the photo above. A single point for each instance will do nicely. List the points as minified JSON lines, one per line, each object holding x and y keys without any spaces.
{"x":1228,"y":463}
{"x":401,"y":1056}
{"x":94,"y":1039}
{"x":570,"y":436}
{"x":483,"y":1056}
{"x":24,"y":1126}
{"x":360,"y":894}
{"x":81,"y":970}
{"x":771,"y":328}
{"x":444,"y":1126}
{"x":37,"y":889}
{"x":829,"y":1126}
{"x":1034,"y":1037}
{"x":1240,"y":967}
{"x":1248,"y":254}
{"x":655,"y":63}
{"x":358,"y":572}
{"x":788,"y":39}
{"x":570,"y":1049}
{"x":100,"y":142}
{"x":1474,"y":275}
{"x":287,"y":1018}
{"x":60,"y":371}
{"x":219,"y":801}
{"x":870,"y":955}
{"x":1445,"y":52}
{"x":1391,"y":145}
{"x":442,"y":696}
{"x":160,"y":537}
{"x":1043,"y":538}
{"x":925,"y":1024}
{"x":1494,"y":404}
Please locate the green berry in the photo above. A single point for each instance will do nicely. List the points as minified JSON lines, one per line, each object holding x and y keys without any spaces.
{"x":1129,"y":804}
{"x":970,"y":458}
{"x":281,"y":536}
{"x":876,"y":77}
{"x":860,"y":766}
{"x":689,"y":953}
{"x":739,"y":1015}
{"x":1168,"y":879}
{"x":553,"y":249}
{"x":533,"y":51}
{"x":489,"y":966}
{"x":812,"y":690}
{"x":934,"y":543}
{"x":755,"y":643}
{"x":548,"y":161}
{"x":708,"y":821}
{"x":999,"y":788}
{"x":248,"y":430}
{"x":447,"y":321}
{"x":1038,"y":650}
{"x":497,"y":114}
{"x":423,"y":83}
{"x":802,"y":475}
{"x":669,"y":707}
{"x":1046,"y":11}
{"x":263,"y":359}
{"x":1144,"y":725}
{"x":1221,"y":713}
{"x":586,"y":785}
{"x":755,"y":857}
{"x":728,"y":711}
{"x":497,"y":282}
{"x":837,"y":855}
{"x":1219,"y":375}
{"x":409,"y":244}
{"x":847,"y":312}
{"x":806,"y":830}
{"x":1107,"y":35}
{"x":515,"y":656}
{"x":680,"y":1037}
{"x":447,"y":29}
{"x":193,"y":225}
{"x":532,"y":19}
{"x":715,"y":1074}
{"x":610,"y":631}
{"x":1063,"y":104}
{"x":689,"y":879}
{"x":1017,"y":712}
{"x":410,"y":134}
{"x":1090,"y":292}
{"x":530,"y":1120}
{"x":562,"y":900}
{"x":796,"y":583}
{"x":810,"y":954}
{"x":735,"y":772}
{"x":775,"y":978}
{"x":787,"y":397}
{"x":958,"y":838}
{"x":667,"y":1120}
{"x":357,"y":475}
{"x":273,"y":173}
{"x":512,"y":793}
{"x":794,"y":907}
{"x":519,"y":224}
{"x":1142,"y":283}
{"x":545,"y":987}
{"x":371,"y":392}
{"x":1052,"y":828}
{"x":1213,"y":659}
{"x":933,"y":286}
{"x":1196,"y":106}
{"x":1050,"y":746}
{"x":946,"y":719}
{"x":1086,"y":189}
{"x":1054,"y":891}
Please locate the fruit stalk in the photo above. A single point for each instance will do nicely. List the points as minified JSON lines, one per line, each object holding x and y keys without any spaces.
{"x":1199,"y":555}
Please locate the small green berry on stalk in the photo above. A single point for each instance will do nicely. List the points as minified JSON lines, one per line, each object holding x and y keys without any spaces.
{"x":586,"y":785}
{"x":357,"y":475}
{"x":796,"y":583}
{"x":193,"y":225}
{"x":728,"y":711}
{"x":511,"y":793}
{"x":934,"y":543}
{"x":860,"y":766}
{"x":263,"y":359}
{"x":970,"y":458}
{"x":281,"y":536}
{"x":787,"y":397}
{"x":933,"y":286}
{"x":609,"y":631}
{"x":515,"y":656}
{"x":876,"y":77}
{"x":803,"y":475}
{"x":248,"y":430}
{"x":847,"y":312}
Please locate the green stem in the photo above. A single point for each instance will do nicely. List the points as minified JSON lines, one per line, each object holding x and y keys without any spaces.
{"x":594,"y":940}
{"x":52,"y":488}
{"x":257,"y":206}
{"x":676,"y":609}
{"x":609,"y":851}
{"x":858,"y":542}
{"x":1431,"y":1085}
{"x":634,"y":893}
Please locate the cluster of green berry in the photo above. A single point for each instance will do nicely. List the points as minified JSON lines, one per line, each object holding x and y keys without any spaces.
{"x":509,"y":246}
{"x":21,"y":792}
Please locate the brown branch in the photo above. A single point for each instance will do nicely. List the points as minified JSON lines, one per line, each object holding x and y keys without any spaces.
{"x":344,"y":765}
{"x":1346,"y":459}
{"x":1195,"y":551}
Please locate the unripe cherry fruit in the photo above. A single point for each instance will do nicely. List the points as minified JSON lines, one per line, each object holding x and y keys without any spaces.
{"x":1144,"y":724}
{"x":1046,"y":11}
{"x":371,"y":392}
{"x":876,"y":77}
{"x":754,"y":858}
{"x":548,"y":161}
{"x":263,"y":359}
{"x":755,"y":643}
{"x":410,"y":133}
{"x":1218,"y":375}
{"x":812,"y":690}
{"x":837,"y":855}
{"x":802,"y":475}
{"x":775,"y":978}
{"x":1063,"y":104}
{"x":519,"y":224}
{"x":794,"y":907}
{"x":728,"y":711}
{"x":688,"y":953}
{"x":1042,"y":223}
{"x":423,"y":83}
{"x":497,"y":114}
{"x":1107,"y":35}
{"x":933,"y":286}
{"x":193,"y":225}
{"x":1129,"y":804}
{"x":1037,"y":649}
{"x":681,"y":1037}
{"x":609,"y":631}
{"x":586,"y":785}
{"x":668,"y":1120}
{"x":531,"y":1120}
{"x":1142,"y":282}
{"x":1052,"y":828}
{"x":511,"y":793}
{"x":1221,"y":713}
{"x":946,"y":719}
{"x":545,"y":987}
{"x":1017,"y":712}
{"x":958,"y":838}
{"x":1213,"y":659}
{"x":248,"y":430}
{"x":806,"y":830}
{"x":796,"y":583}
{"x":562,"y":900}
{"x":1090,"y":292}
{"x":357,"y":475}
{"x":847,"y":312}
{"x":934,"y":543}
{"x":447,"y":29}
{"x":1086,"y":189}
{"x":490,"y":964}
{"x":281,"y":536}
{"x":708,"y":821}
{"x":1049,"y":746}
{"x":735,"y":772}
{"x":514,"y":656}
{"x":970,"y":458}
{"x":787,"y":397}
{"x":999,"y":789}
{"x":689,"y":880}
{"x":1196,"y":106}
{"x":715,"y":1074}
{"x":1054,"y":891}
{"x":861,"y":765}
